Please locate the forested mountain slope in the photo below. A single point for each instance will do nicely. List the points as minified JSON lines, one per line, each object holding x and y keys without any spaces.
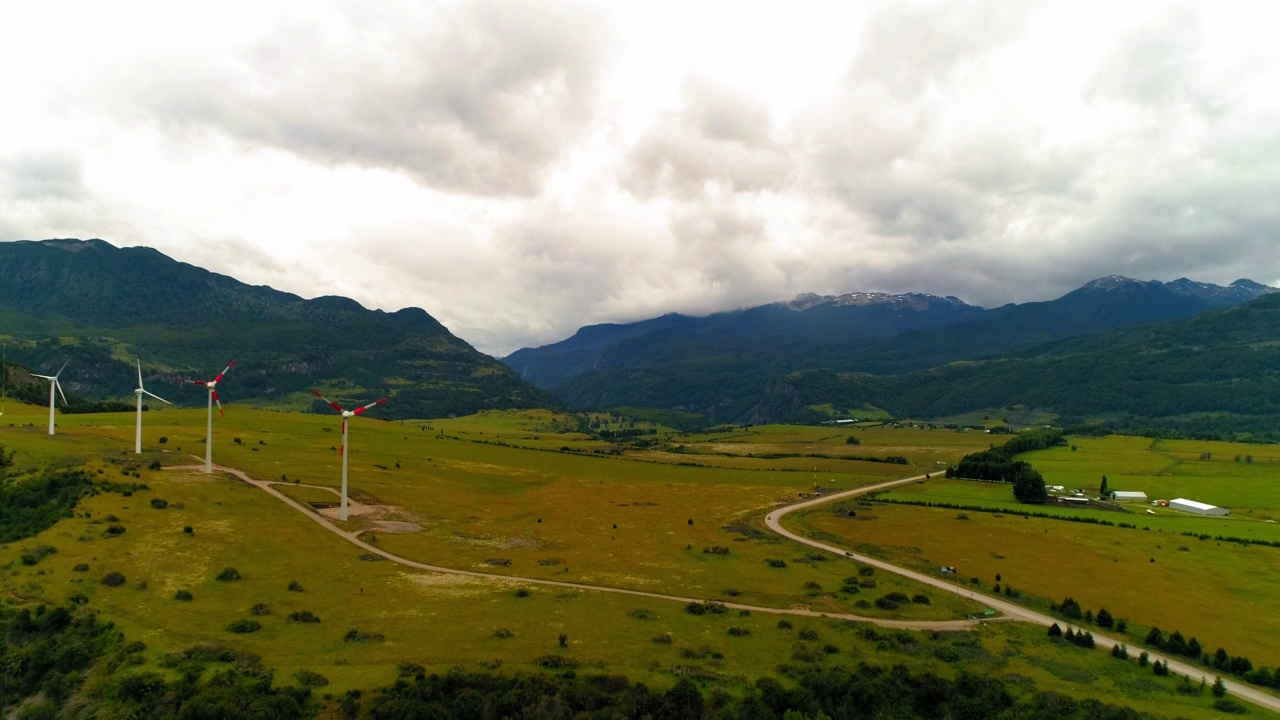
{"x":99,"y":307}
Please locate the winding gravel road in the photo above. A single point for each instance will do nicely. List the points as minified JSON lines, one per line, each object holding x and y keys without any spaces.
{"x":1011,"y":611}
{"x":773,"y":521}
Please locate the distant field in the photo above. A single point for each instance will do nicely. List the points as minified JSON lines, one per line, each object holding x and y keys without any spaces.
{"x":549,"y":514}
{"x":1150,"y":574}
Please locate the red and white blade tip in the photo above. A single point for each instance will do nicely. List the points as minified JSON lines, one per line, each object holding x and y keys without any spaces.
{"x":224,"y":371}
{"x":219,"y":402}
{"x":332,"y":404}
{"x":372,"y":404}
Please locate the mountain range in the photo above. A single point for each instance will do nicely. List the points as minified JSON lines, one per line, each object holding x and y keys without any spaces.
{"x":776,"y":362}
{"x":97,"y":307}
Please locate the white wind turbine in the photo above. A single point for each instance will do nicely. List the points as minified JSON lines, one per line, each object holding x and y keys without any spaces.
{"x":137,"y":441}
{"x":54,"y":385}
{"x":213,"y":398}
{"x":343,"y":450}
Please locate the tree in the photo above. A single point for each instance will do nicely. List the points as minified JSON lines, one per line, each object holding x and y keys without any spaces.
{"x":1055,"y":631}
{"x":1104,"y":619}
{"x":1028,"y":485}
{"x":1176,"y":644}
{"x":1102,"y":489}
{"x":1221,"y":660}
{"x":1194,"y":650}
{"x":1219,"y":687}
{"x":1155,"y":637}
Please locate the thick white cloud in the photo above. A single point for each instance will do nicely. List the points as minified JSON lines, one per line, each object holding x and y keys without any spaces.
{"x":522,"y":169}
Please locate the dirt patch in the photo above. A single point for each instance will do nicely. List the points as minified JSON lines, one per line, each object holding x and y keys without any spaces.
{"x":396,"y":527}
{"x":447,"y":585}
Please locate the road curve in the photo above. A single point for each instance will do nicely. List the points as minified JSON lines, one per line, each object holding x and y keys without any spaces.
{"x":354,"y":540}
{"x":1011,"y":610}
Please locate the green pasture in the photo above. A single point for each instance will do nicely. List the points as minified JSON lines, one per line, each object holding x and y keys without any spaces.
{"x":1169,"y":469}
{"x":477,"y":503}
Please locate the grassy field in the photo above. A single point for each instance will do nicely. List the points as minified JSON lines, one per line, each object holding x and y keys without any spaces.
{"x":1150,"y":573}
{"x":616,"y":520}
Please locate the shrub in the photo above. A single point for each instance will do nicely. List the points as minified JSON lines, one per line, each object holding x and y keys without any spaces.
{"x":295,"y":586}
{"x":31,"y":556}
{"x":663,"y":639}
{"x":159,"y":503}
{"x":884,"y":603}
{"x":739,"y":631}
{"x":354,"y":635}
{"x":228,"y":575}
{"x":775,"y":563}
{"x":866,"y":571}
{"x":113,"y":579}
{"x":155,"y":465}
{"x":188,"y":530}
{"x":303,"y":616}
{"x":784,"y":624}
{"x":242,"y":627}
{"x":920,"y":599}
{"x":309,"y":678}
{"x":1230,"y":706}
{"x":260,"y":609}
{"x":114,"y":530}
{"x":503,"y":633}
{"x":522,"y":592}
{"x":81,"y":567}
{"x":163,"y":440}
{"x":183,"y":595}
{"x":807,"y":634}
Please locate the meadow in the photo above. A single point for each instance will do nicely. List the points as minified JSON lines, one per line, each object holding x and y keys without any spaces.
{"x":622,"y":520}
{"x":1150,"y":573}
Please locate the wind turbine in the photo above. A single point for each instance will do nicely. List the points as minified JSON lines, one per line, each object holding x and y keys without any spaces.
{"x":54,"y":384}
{"x":213,"y":398}
{"x":342,"y":514}
{"x":137,"y":442}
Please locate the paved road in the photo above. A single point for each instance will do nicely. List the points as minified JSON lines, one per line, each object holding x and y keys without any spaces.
{"x":1011,"y":611}
{"x":325,"y":523}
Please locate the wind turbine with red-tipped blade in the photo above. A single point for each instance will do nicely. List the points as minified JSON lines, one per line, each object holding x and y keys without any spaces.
{"x":213,"y":398}
{"x":344,"y":448}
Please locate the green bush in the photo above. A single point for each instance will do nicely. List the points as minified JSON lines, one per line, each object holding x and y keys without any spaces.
{"x":242,"y":627}
{"x":303,"y":616}
{"x":113,"y":579}
{"x":183,"y":595}
{"x":159,"y":503}
{"x":228,"y":575}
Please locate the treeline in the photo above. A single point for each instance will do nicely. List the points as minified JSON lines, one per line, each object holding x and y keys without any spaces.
{"x":836,"y":692}
{"x":32,"y":505}
{"x":1176,"y":644}
{"x":998,"y":464}
{"x":48,"y":653}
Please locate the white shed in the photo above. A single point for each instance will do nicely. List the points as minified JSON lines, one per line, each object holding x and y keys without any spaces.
{"x":1128,"y":495}
{"x":1197,"y":508}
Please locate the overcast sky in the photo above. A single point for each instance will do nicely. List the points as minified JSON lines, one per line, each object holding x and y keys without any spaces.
{"x":520,"y":169}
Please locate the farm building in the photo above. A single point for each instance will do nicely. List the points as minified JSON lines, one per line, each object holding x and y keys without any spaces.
{"x":1128,"y":495}
{"x":1197,"y":508}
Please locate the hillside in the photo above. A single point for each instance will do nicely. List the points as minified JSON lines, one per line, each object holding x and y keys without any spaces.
{"x":1216,"y":373}
{"x":738,"y":366}
{"x":99,"y":306}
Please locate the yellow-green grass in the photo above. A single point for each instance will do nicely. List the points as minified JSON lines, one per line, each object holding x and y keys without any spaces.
{"x":1168,"y":469}
{"x":1221,"y":593}
{"x":1242,"y":524}
{"x":443,"y":622}
{"x":440,"y":621}
{"x":550,"y":514}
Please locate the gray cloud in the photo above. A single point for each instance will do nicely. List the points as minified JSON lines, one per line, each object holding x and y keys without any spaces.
{"x":34,"y":176}
{"x":480,"y":98}
{"x":718,"y":137}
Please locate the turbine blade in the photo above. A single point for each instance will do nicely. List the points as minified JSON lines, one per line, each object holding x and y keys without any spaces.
{"x":332,"y":404}
{"x":372,"y":404}
{"x":59,"y":386}
{"x":139,"y":362}
{"x":224,"y":372}
{"x":64,"y":367}
{"x":219,"y":402}
{"x":148,"y":392}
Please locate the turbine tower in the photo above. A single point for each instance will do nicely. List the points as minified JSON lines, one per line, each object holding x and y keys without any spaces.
{"x":213,"y":398}
{"x":137,"y":441}
{"x":53,"y":385}
{"x":342,"y":450}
